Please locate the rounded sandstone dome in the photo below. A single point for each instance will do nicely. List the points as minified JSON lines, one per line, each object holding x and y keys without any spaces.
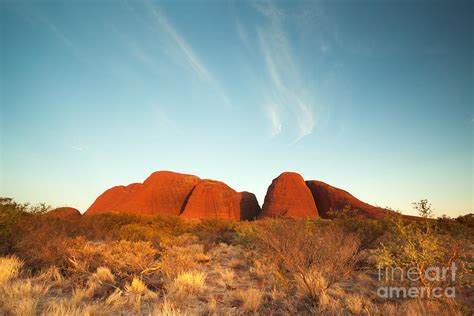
{"x":330,"y":198}
{"x":163,"y":192}
{"x":288,"y":196}
{"x":68,"y":213}
{"x":216,"y":200}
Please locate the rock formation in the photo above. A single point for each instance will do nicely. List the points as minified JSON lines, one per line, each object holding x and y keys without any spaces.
{"x":170,"y":193}
{"x":216,"y":200}
{"x":329,"y":198}
{"x":64,"y":213}
{"x":249,"y":208}
{"x":288,"y":196}
{"x":187,"y":196}
{"x":163,"y":192}
{"x":113,"y":199}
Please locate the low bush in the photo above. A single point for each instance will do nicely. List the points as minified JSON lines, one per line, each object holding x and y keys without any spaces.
{"x":415,"y":245}
{"x":310,"y":259}
{"x":212,"y":231}
{"x":12,"y":216}
{"x":366,"y":229}
{"x":459,"y":227}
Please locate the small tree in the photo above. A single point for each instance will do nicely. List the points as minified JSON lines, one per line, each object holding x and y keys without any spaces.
{"x":424,"y":208}
{"x":416,"y":246}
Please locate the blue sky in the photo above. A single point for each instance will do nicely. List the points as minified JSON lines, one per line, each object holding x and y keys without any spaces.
{"x":375,"y":97}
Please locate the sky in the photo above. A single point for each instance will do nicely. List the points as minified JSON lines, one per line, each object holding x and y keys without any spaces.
{"x":375,"y":97}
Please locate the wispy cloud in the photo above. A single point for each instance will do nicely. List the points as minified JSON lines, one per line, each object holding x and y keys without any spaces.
{"x":36,"y":17}
{"x":164,"y":121}
{"x":180,"y":48}
{"x":287,"y":92}
{"x":183,"y":48}
{"x":243,"y":34}
{"x":273,"y":116}
{"x":59,"y":34}
{"x":142,"y":55}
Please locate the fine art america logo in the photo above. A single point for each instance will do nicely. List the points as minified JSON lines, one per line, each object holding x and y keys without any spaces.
{"x":433,"y":282}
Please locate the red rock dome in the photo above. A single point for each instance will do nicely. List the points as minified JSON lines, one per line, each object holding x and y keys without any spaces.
{"x":249,"y":207}
{"x":64,"y":213}
{"x":163,"y":192}
{"x":113,"y":199}
{"x":329,"y":198}
{"x":288,"y":196}
{"x":216,"y":200}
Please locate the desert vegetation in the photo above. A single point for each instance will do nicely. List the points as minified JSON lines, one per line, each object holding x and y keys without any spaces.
{"x":156,"y":265}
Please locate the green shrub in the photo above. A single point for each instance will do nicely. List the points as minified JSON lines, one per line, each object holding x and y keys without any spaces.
{"x":416,"y":244}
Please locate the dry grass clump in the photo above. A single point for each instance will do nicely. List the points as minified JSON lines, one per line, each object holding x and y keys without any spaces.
{"x":251,"y":299}
{"x":354,"y":303}
{"x":21,"y":296}
{"x":187,"y":284}
{"x":211,"y":307}
{"x":227,"y":276}
{"x":123,"y":258}
{"x":51,"y":274}
{"x":115,"y":298}
{"x":82,"y":300}
{"x":18,"y":296}
{"x":98,"y":285}
{"x":78,"y":254}
{"x":201,"y":257}
{"x":136,"y":287}
{"x":182,"y":257}
{"x":137,"y":293}
{"x":64,"y":307}
{"x":167,"y":309}
{"x":9,"y":268}
{"x":102,"y":275}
